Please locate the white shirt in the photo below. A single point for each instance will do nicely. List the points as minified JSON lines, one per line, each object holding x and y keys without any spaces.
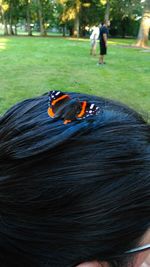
{"x":95,"y":33}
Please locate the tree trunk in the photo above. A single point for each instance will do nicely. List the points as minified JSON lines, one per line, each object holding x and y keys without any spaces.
{"x":63,"y":30}
{"x":15,"y":29}
{"x":41,"y":19}
{"x":107,"y":11}
{"x":77,"y":19}
{"x":143,"y":34}
{"x":28,"y":19}
{"x":4,"y":21}
{"x":70,"y":31}
{"x":11,"y":32}
{"x":76,"y":26}
{"x":5,"y":27}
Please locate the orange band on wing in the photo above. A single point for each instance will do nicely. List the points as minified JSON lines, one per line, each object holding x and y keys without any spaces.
{"x":82,"y":110}
{"x":66,"y":121}
{"x":58,"y":99}
{"x":50,"y":112}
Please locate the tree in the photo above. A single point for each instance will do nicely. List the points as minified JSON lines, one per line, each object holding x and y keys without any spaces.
{"x":78,"y":14}
{"x":77,"y":9}
{"x":10,"y":12}
{"x":10,"y":16}
{"x":41,"y":17}
{"x":107,"y":4}
{"x":71,"y":13}
{"x":91,"y":14}
{"x":44,"y":9}
{"x":124,"y":16}
{"x":28,"y":16}
{"x":3,"y":10}
{"x":13,"y":14}
{"x":144,"y":29}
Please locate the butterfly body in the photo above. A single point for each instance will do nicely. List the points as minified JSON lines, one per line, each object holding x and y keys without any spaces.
{"x":62,"y":106}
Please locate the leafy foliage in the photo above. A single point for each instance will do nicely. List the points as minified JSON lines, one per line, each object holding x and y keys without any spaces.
{"x":71,"y":15}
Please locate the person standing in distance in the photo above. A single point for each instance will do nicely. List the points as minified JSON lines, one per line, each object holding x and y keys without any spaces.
{"x":93,"y":38}
{"x":103,"y":36}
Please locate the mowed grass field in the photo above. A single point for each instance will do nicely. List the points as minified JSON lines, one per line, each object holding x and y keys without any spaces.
{"x":32,"y":66}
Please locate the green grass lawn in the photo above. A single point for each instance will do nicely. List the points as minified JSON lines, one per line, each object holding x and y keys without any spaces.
{"x":32,"y":66}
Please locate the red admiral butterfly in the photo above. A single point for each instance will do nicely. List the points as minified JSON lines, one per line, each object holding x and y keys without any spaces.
{"x":62,"y":106}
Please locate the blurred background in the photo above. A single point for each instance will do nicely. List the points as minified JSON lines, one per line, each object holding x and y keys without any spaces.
{"x":44,"y":45}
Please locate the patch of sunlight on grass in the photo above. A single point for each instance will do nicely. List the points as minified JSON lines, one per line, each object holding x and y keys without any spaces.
{"x":86,"y":40}
{"x":114,"y":41}
{"x":77,"y":39}
{"x":3,"y":43}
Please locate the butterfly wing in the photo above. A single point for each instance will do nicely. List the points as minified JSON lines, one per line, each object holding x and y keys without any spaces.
{"x":88,"y":109}
{"x":57,"y":100}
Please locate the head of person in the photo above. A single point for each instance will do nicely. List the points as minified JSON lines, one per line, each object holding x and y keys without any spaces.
{"x":105,"y":23}
{"x":73,"y":194}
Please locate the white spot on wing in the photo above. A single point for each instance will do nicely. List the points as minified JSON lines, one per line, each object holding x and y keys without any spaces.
{"x":91,"y":107}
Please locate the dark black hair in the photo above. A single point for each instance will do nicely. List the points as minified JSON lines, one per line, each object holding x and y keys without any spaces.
{"x":76,"y":192}
{"x":103,"y":22}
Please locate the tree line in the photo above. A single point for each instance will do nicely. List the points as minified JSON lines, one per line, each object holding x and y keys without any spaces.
{"x":127,"y":17}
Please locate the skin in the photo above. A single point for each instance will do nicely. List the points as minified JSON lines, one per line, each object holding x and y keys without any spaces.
{"x":142,"y":259}
{"x":147,"y":261}
{"x":93,"y":49}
